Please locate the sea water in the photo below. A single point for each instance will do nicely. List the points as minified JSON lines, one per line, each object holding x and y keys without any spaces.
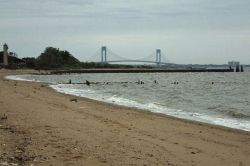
{"x":215,"y":98}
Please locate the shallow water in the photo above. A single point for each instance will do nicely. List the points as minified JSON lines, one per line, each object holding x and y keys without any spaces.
{"x":216,"y":98}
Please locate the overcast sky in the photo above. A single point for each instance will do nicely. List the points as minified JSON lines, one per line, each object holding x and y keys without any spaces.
{"x":187,"y":31}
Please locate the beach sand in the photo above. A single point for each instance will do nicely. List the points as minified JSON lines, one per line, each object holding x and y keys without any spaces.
{"x":39,"y":126}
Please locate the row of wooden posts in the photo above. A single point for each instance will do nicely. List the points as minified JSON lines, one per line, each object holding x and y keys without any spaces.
{"x":239,"y":68}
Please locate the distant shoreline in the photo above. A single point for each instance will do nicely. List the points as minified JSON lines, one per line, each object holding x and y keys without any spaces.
{"x":180,"y":70}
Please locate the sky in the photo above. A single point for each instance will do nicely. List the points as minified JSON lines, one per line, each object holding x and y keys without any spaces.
{"x":186,"y":31}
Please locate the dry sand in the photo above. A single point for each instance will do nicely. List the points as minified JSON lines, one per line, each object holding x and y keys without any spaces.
{"x":39,"y":126}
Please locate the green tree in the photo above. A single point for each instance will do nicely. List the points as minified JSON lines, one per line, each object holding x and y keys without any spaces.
{"x":53,"y":58}
{"x":30,"y":62}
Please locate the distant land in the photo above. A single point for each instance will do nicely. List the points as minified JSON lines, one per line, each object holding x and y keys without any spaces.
{"x":56,"y":59}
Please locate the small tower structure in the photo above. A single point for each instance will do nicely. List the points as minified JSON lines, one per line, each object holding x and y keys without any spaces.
{"x":5,"y":54}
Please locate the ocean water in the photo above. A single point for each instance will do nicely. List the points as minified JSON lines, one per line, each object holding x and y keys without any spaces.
{"x":215,"y":98}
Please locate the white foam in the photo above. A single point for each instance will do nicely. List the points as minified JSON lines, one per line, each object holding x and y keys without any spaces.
{"x":68,"y":89}
{"x":20,"y":78}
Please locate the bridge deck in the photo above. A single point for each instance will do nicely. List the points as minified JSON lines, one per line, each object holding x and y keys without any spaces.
{"x":141,"y":61}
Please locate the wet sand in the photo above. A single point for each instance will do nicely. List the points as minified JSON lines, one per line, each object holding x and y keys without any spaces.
{"x":39,"y":126}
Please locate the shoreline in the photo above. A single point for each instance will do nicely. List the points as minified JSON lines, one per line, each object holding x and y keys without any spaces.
{"x":187,"y":118}
{"x":146,"y":111}
{"x":97,"y":133}
{"x":157,"y":114}
{"x":170,"y":70}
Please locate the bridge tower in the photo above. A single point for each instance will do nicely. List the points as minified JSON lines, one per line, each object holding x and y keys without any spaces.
{"x":104,"y":54}
{"x":158,"y":56}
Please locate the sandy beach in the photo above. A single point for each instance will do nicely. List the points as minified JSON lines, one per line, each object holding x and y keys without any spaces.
{"x":39,"y":126}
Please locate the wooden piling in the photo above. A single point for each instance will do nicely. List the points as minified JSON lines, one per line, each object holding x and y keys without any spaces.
{"x":241,"y":68}
{"x":237,"y":68}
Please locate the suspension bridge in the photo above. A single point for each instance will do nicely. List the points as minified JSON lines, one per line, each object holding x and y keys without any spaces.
{"x":105,"y":55}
